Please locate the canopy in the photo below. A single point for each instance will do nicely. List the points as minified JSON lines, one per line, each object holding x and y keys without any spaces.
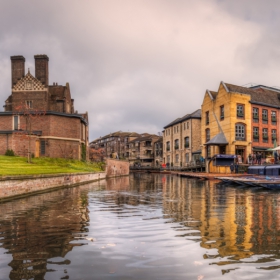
{"x":276,"y":149}
{"x":224,"y":156}
{"x":219,"y":139}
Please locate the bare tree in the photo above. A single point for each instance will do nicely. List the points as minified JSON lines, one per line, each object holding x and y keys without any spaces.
{"x":31,"y":116}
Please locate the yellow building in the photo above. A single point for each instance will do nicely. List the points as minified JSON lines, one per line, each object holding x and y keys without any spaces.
{"x":225,"y":124}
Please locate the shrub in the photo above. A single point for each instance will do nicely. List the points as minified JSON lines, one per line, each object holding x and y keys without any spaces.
{"x":10,"y":153}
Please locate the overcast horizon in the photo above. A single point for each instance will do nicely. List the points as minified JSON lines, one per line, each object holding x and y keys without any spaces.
{"x":138,"y":65}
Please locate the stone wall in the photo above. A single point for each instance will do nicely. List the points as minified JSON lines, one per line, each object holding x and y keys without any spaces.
{"x":116,"y":168}
{"x":16,"y":186}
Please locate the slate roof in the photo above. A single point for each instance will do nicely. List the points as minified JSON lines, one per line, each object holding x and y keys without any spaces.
{"x":144,"y":138}
{"x":260,"y":95}
{"x":195,"y":115}
{"x":219,"y":139}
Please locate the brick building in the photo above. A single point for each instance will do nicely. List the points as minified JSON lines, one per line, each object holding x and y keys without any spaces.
{"x":141,"y":150}
{"x":40,"y":118}
{"x":114,"y":143}
{"x":181,"y":140}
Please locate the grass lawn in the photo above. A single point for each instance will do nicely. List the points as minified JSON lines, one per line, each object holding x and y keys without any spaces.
{"x":13,"y":165}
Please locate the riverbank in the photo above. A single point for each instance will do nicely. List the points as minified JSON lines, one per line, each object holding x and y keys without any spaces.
{"x":14,"y":165}
{"x":13,"y":186}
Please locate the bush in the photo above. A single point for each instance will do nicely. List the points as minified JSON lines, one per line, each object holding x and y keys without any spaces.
{"x":10,"y":153}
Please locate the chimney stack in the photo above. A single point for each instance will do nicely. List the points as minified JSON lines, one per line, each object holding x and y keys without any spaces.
{"x":42,"y":68}
{"x":18,"y":68}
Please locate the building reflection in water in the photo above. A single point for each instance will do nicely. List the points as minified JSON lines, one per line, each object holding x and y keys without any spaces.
{"x":39,"y":228}
{"x":239,"y":224}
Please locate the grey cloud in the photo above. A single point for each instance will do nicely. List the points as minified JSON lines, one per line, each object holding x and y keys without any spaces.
{"x":138,"y":65}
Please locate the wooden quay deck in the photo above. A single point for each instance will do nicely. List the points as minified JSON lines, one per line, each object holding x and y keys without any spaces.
{"x":206,"y":176}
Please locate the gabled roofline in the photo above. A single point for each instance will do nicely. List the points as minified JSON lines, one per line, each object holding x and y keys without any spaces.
{"x":224,"y":85}
{"x":209,"y":93}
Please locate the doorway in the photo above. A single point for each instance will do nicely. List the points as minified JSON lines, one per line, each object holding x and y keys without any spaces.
{"x":240,"y":151}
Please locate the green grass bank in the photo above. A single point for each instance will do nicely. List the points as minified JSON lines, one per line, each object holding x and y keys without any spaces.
{"x":14,"y":165}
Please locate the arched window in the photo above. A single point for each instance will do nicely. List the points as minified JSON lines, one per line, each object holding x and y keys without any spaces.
{"x":240,"y":132}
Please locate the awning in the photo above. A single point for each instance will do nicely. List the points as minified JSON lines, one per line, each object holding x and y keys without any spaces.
{"x":219,"y":139}
{"x":224,"y":156}
{"x":260,"y":149}
{"x":276,"y":149}
{"x":197,"y":152}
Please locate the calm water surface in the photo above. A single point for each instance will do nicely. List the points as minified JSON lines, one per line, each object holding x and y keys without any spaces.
{"x":142,"y":227}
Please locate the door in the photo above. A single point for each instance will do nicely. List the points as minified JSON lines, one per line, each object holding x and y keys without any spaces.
{"x":37,"y":148}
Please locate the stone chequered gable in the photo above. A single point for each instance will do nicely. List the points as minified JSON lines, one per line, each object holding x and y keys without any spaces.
{"x":28,"y":83}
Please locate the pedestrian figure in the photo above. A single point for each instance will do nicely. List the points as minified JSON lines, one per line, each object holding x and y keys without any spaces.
{"x":236,"y":167}
{"x":231,"y":168}
{"x":254,"y":158}
{"x":250,"y":159}
{"x":259,"y":158}
{"x":275,"y":157}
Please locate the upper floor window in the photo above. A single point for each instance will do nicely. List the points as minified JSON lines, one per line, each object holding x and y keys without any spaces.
{"x":177,"y":158}
{"x":264,"y":116}
{"x":255,"y":115}
{"x":222,"y":112}
{"x":16,"y":122}
{"x":255,"y":132}
{"x":273,"y":117}
{"x":168,"y":146}
{"x":207,"y":133}
{"x":184,"y":126}
{"x":187,"y":157}
{"x":29,"y":104}
{"x":273,"y":135}
{"x":240,"y":110}
{"x":240,"y":132}
{"x":265,"y":135}
{"x":187,"y":125}
{"x":187,"y":142}
{"x":174,"y":129}
{"x":207,"y":117}
{"x":176,"y":144}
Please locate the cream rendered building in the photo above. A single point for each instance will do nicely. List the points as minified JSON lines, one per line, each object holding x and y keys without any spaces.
{"x":181,"y":140}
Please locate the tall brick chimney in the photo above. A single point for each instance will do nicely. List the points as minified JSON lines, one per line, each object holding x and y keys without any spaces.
{"x":18,"y":68}
{"x":42,"y":68}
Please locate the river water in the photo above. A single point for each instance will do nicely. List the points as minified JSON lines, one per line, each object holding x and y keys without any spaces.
{"x":142,"y":227}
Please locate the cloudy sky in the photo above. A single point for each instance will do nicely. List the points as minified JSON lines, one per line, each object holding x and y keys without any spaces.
{"x":136,"y":65}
